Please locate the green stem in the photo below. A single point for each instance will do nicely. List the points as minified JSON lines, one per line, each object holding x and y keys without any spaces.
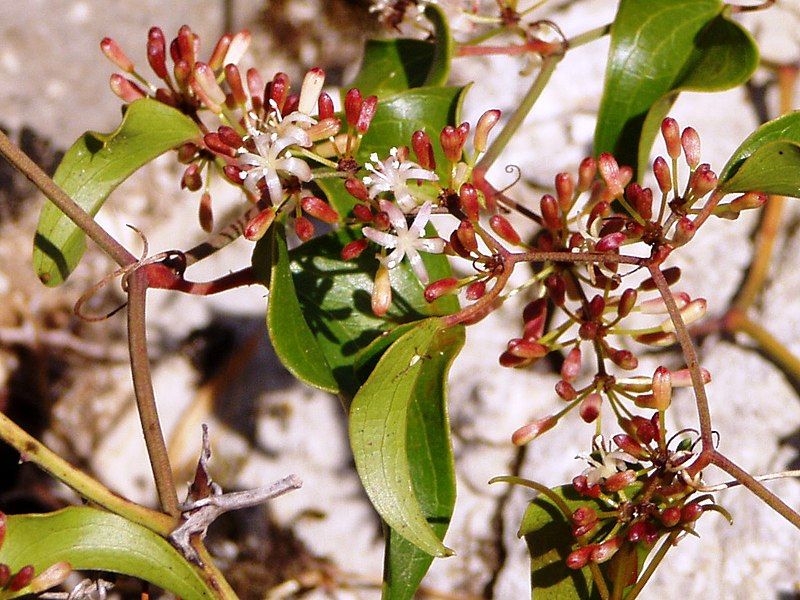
{"x":542,"y":489}
{"x":651,"y":566}
{"x":589,"y":36}
{"x":65,"y":204}
{"x":31,"y":450}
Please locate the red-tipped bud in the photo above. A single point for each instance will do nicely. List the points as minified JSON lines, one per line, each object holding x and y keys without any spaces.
{"x":643,"y":429}
{"x":502,"y":227}
{"x":531,"y":431}
{"x":362,"y":213}
{"x":259,"y":225}
{"x":303,"y":228}
{"x":690,"y":141}
{"x":22,"y":579}
{"x":610,"y":242}
{"x":353,"y":250}
{"x":440,"y":288}
{"x":748,"y":201}
{"x":217,"y":59}
{"x":191,"y":179}
{"x":690,"y":313}
{"x":589,"y":408}
{"x":609,"y":171}
{"x":324,"y":128}
{"x":187,"y":43}
{"x":234,"y":79}
{"x":586,"y":173}
{"x":255,"y":86}
{"x":624,"y":359}
{"x":52,"y":576}
{"x":683,"y":377}
{"x":187,"y":152}
{"x":5,"y":575}
{"x":214,"y":142}
{"x":684,"y":232}
{"x":641,"y":199}
{"x":550,"y":212}
{"x":703,"y":180}
{"x":565,"y":190}
{"x":357,"y":189}
{"x":580,"y":557}
{"x":596,"y":307}
{"x":381,"y":292}
{"x":423,"y":149}
{"x":352,"y":106}
{"x":452,"y":140}
{"x":556,"y":288}
{"x":510,"y":361}
{"x":663,"y":175}
{"x":672,"y":275}
{"x":571,"y":367}
{"x":233,"y":173}
{"x":466,"y":235}
{"x":292,"y":104}
{"x":229,"y":137}
{"x":619,"y":481}
{"x":127,"y":90}
{"x":626,"y":302}
{"x":660,"y":340}
{"x":366,"y":114}
{"x":670,"y":517}
{"x":116,"y":55}
{"x":523,"y":348}
{"x":319,"y":209}
{"x":157,"y":52}
{"x":583,"y":515}
{"x":475,"y":290}
{"x":204,"y":84}
{"x":662,"y":388}
{"x":672,"y":137}
{"x":277,"y":90}
{"x":581,"y":485}
{"x":205,"y":213}
{"x":310,"y":90}
{"x":240,"y":42}
{"x":629,"y":445}
{"x":691,"y":512}
{"x":601,"y":210}
{"x":603,"y":552}
{"x":468,"y":199}
{"x":485,"y":124}
{"x":565,"y":391}
{"x":325,"y":106}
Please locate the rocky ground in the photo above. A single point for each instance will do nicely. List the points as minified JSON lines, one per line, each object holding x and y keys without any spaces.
{"x":69,"y":382}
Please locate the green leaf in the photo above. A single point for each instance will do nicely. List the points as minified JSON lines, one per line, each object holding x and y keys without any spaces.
{"x":767,"y":161}
{"x":97,"y":540}
{"x":659,"y":49}
{"x":379,"y":434}
{"x":395,"y":65}
{"x":92,"y":168}
{"x":548,"y":535}
{"x":293,"y":341}
{"x":430,"y":457}
{"x":334,"y":297}
{"x":397,"y":117}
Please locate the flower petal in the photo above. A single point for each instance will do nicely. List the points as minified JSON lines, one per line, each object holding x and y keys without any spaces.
{"x":396,"y":216}
{"x":380,"y":237}
{"x":417,"y":265}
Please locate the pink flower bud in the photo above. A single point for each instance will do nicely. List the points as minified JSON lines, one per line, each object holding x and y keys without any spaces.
{"x":353,"y":250}
{"x":319,"y":209}
{"x":589,"y":408}
{"x":214,"y":142}
{"x":205,"y":214}
{"x":216,"y":62}
{"x":21,"y":579}
{"x":157,"y":52}
{"x":204,"y":84}
{"x":125,"y":88}
{"x":423,"y":149}
{"x":238,"y":46}
{"x":703,"y":180}
{"x":580,"y":557}
{"x":609,"y":172}
{"x":439,"y":288}
{"x":310,"y":90}
{"x":381,"y":292}
{"x":234,"y":79}
{"x":501,"y":226}
{"x":663,"y":175}
{"x":476,"y":290}
{"x":605,"y":551}
{"x":748,"y":201}
{"x":629,"y":445}
{"x":586,"y":173}
{"x":192,"y":180}
{"x":466,"y":235}
{"x":691,"y":512}
{"x":582,"y":486}
{"x":52,"y":576}
{"x":366,"y":114}
{"x":565,"y":190}
{"x":671,"y":133}
{"x":571,"y":367}
{"x":532,"y":430}
{"x":233,"y":174}
{"x":556,"y":288}
{"x":683,"y":377}
{"x":187,"y":42}
{"x":485,"y":124}
{"x":619,"y":481}
{"x":352,"y":106}
{"x":684,"y":232}
{"x":452,"y":140}
{"x":255,"y":86}
{"x":550,"y":212}
{"x":510,"y":361}
{"x":624,"y":359}
{"x":690,"y":141}
{"x":468,"y":200}
{"x":523,"y":348}
{"x":610,"y":242}
{"x":565,"y":391}
{"x":115,"y":54}
{"x":660,"y":340}
{"x":662,"y":388}
{"x":277,"y":90}
{"x":670,"y":516}
{"x":626,"y":302}
{"x":258,"y":225}
{"x":672,"y":275}
{"x":690,"y":313}
{"x":656,"y":306}
{"x":303,"y":228}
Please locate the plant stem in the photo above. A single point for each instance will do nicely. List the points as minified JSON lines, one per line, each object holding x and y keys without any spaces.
{"x":589,"y":36}
{"x":651,"y":566}
{"x":31,"y":450}
{"x":145,"y":398}
{"x":510,"y":128}
{"x":66,"y":204}
{"x":222,"y":238}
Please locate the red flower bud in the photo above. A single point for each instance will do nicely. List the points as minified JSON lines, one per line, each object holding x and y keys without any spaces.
{"x":629,"y":445}
{"x":619,"y":481}
{"x":277,"y":90}
{"x":205,"y":214}
{"x":690,"y":141}
{"x":565,"y":190}
{"x":353,"y":250}
{"x":603,"y":552}
{"x":556,"y":288}
{"x":292,"y":104}
{"x":452,"y":140}
{"x":586,"y":173}
{"x":501,"y":226}
{"x":610,"y":242}
{"x":565,"y":391}
{"x":626,"y":302}
{"x":532,"y":430}
{"x":691,"y":512}
{"x":662,"y":388}
{"x":581,"y":485}
{"x":476,"y":290}
{"x":589,"y":408}
{"x":234,"y":79}
{"x":466,"y":235}
{"x":672,"y":275}
{"x":366,"y":114}
{"x":580,"y":557}
{"x":523,"y":348}
{"x":214,"y":142}
{"x":157,"y":52}
{"x":255,"y":86}
{"x":439,"y":288}
{"x":191,"y":179}
{"x":749,"y":200}
{"x":258,"y":225}
{"x":485,"y":124}
{"x":319,"y":209}
{"x":468,"y":197}
{"x":127,"y":90}
{"x":550,"y":212}
{"x":423,"y":149}
{"x":609,"y":171}
{"x":233,"y":173}
{"x":663,"y":175}
{"x":21,"y":579}
{"x":671,"y":133}
{"x":116,"y":55}
{"x":571,"y":367}
{"x":670,"y":517}
{"x":217,"y":59}
{"x":303,"y":228}
{"x":352,"y":106}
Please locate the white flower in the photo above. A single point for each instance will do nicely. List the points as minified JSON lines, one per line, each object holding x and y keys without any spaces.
{"x":610,"y":463}
{"x":407,"y":241}
{"x":267,"y":161}
{"x":392,"y":174}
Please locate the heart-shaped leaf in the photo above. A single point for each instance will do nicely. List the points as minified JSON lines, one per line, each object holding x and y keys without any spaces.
{"x":379,"y":429}
{"x":92,"y":168}
{"x":659,"y":49}
{"x":767,"y":161}
{"x":93,"y":539}
{"x":395,"y":65}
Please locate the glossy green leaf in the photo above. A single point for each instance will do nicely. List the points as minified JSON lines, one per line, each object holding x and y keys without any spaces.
{"x":767,"y":161}
{"x":430,"y":457}
{"x":92,"y":168}
{"x":94,"y":539}
{"x":548,"y":535}
{"x":293,"y":341}
{"x":378,"y":434}
{"x":395,"y":65}
{"x":659,"y":49}
{"x":396,"y":119}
